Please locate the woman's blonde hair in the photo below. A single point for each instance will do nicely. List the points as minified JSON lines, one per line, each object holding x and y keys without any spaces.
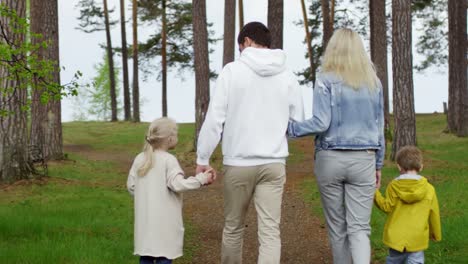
{"x":160,"y":132}
{"x":346,"y":57}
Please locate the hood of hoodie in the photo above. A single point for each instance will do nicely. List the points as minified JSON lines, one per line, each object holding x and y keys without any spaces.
{"x":411,"y":191}
{"x":264,"y":62}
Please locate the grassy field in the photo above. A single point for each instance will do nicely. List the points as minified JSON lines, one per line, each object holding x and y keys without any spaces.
{"x":446,"y":167}
{"x":82,"y":213}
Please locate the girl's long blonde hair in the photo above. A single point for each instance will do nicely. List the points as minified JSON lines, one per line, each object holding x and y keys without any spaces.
{"x":346,"y":57}
{"x":160,"y":132}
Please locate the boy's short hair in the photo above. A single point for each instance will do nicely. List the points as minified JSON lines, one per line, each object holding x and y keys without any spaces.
{"x":257,"y":32}
{"x":409,"y":158}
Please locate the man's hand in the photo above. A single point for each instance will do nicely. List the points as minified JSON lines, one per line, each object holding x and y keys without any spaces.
{"x":205,"y":168}
{"x":378,"y":176}
{"x":202,"y":168}
{"x":211,"y":176}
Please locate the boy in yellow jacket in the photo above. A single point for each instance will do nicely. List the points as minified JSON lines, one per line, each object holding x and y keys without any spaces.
{"x":413,"y":211}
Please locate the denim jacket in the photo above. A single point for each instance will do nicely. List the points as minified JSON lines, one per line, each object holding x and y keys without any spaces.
{"x":344,"y":118}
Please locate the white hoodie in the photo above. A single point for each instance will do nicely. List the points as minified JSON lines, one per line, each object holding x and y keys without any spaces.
{"x":252,"y":102}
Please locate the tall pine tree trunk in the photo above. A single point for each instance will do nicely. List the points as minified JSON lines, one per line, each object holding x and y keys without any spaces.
{"x":241,"y":14}
{"x":136,"y":89}
{"x":126,"y":86}
{"x":110,"y":57}
{"x":229,"y":31}
{"x":458,"y":98}
{"x":275,"y":23}
{"x":332,"y":15}
{"x":164,"y":58}
{"x":46,"y":123}
{"x":202,"y":68}
{"x":402,"y":65}
{"x":14,"y":159}
{"x":327,"y":25}
{"x":378,"y":44}
{"x":309,"y":42}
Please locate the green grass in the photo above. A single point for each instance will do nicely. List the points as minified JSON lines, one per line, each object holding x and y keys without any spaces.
{"x":121,"y":136}
{"x":68,"y":224}
{"x":446,"y":167}
{"x":84,"y":213}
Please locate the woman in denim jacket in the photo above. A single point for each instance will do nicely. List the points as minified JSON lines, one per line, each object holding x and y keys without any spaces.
{"x":348,"y":123}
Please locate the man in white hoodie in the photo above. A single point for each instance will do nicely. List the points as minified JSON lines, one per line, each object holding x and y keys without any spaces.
{"x":253,"y":100}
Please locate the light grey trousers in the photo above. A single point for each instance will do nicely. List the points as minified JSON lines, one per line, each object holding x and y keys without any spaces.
{"x":264,"y":184}
{"x":346,"y":181}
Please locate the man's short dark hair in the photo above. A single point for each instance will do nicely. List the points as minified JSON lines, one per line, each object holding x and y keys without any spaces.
{"x":257,"y":32}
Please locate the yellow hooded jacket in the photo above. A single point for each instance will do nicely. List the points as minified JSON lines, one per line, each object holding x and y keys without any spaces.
{"x":413,"y":214}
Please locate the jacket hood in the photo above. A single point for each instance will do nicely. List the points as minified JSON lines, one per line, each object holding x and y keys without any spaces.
{"x":411,"y":191}
{"x":264,"y":62}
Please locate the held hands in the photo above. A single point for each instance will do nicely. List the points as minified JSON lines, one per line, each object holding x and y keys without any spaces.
{"x":211,"y":176}
{"x":207,"y":170}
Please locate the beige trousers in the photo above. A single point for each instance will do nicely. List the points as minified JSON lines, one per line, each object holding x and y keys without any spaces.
{"x":263,"y":183}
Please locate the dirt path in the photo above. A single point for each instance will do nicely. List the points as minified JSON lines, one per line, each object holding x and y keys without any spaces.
{"x":304,"y":238}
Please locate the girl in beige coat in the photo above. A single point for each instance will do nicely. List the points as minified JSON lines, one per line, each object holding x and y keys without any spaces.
{"x":156,"y":181}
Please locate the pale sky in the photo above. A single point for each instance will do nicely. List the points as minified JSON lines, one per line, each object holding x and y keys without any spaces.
{"x":80,"y":51}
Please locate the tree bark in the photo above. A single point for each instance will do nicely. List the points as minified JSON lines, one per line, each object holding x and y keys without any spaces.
{"x":402,"y":65}
{"x":46,"y":123}
{"x":202,"y":70}
{"x":309,"y":42}
{"x":136,"y":89}
{"x":14,"y":159}
{"x":126,"y":86}
{"x":458,"y":98}
{"x":327,"y":29}
{"x":110,"y":57}
{"x":229,"y":31}
{"x":164,"y":58}
{"x":241,"y":14}
{"x":378,"y":44}
{"x":275,"y":23}
{"x":332,"y":15}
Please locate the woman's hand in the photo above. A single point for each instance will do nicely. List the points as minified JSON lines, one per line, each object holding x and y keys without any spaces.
{"x":378,"y":176}
{"x":290,"y":131}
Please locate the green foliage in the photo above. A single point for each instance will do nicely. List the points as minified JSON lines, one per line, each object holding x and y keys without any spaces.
{"x":315,"y":28}
{"x":419,"y":5}
{"x":94,"y":102}
{"x":92,"y":17}
{"x":179,"y":35}
{"x":432,"y":44}
{"x":100,"y":101}
{"x":19,"y":59}
{"x":445,"y":166}
{"x":431,"y":15}
{"x":344,"y":17}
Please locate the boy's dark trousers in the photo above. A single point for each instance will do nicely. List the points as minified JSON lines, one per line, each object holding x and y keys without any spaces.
{"x":397,"y":257}
{"x":153,"y":260}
